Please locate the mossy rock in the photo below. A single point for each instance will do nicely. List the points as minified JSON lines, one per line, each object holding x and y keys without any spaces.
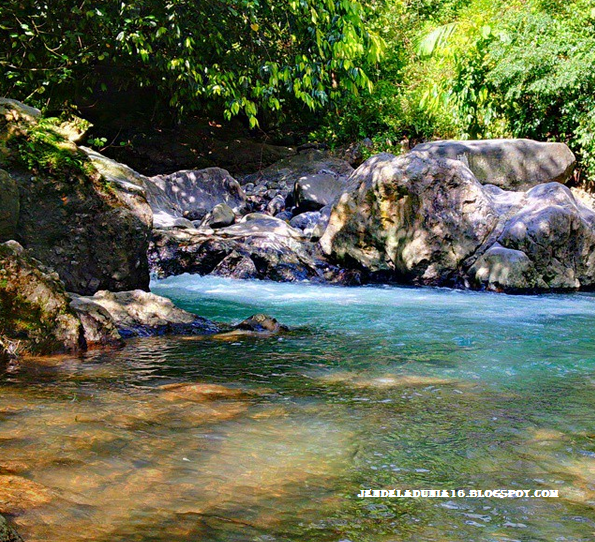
{"x":7,"y":533}
{"x":71,"y":217}
{"x":9,"y":206}
{"x":35,"y":315}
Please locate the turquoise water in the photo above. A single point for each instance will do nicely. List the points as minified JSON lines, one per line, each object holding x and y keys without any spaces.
{"x":373,"y":387}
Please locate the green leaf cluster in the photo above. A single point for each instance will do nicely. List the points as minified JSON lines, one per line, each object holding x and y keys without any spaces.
{"x":240,"y":56}
{"x":479,"y":69}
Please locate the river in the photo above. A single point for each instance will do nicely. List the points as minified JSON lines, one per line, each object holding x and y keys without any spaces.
{"x":372,"y":388}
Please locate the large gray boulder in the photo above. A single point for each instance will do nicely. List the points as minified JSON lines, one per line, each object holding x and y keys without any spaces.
{"x":135,"y":187}
{"x":512,"y":164}
{"x":414,"y":217}
{"x":194,"y":193}
{"x":9,"y":206}
{"x":429,"y":221}
{"x":312,"y":192}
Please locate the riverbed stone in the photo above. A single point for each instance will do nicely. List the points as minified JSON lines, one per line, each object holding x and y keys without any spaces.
{"x":99,"y":328}
{"x":512,"y":164}
{"x":261,"y":323}
{"x":307,"y":222}
{"x":276,"y":205}
{"x":140,"y":314}
{"x":220,"y":216}
{"x":261,"y":247}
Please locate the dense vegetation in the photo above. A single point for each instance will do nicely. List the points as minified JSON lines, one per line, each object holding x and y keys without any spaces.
{"x":390,"y":70}
{"x":481,"y":68}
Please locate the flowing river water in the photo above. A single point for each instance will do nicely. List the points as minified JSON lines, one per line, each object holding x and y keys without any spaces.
{"x":373,"y":387}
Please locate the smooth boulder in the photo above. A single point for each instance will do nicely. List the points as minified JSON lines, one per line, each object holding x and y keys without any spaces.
{"x":193,"y":193}
{"x":414,"y":217}
{"x":220,"y":216}
{"x":140,"y":314}
{"x":512,"y":164}
{"x":312,"y":192}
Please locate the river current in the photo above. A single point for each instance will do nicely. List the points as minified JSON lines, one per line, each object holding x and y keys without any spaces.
{"x":372,"y":388}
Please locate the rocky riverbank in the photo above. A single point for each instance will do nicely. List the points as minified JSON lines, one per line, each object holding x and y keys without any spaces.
{"x":82,"y":232}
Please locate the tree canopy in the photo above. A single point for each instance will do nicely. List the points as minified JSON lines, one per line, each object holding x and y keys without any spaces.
{"x":242,"y":55}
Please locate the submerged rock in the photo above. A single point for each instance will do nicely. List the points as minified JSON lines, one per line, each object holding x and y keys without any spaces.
{"x":200,"y":392}
{"x":512,"y":164}
{"x":261,"y":323}
{"x":141,"y":314}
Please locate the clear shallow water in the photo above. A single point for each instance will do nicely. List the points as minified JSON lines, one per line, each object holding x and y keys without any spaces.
{"x":374,"y":387}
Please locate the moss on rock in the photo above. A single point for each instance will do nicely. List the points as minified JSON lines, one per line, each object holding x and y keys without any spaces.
{"x":35,"y":315}
{"x":71,"y":217}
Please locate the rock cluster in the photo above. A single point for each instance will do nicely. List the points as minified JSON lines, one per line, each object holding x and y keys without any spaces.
{"x":423,"y":220}
{"x":477,"y":214}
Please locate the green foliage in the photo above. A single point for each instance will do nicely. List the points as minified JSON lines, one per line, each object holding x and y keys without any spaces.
{"x":449,"y":69}
{"x":546,"y":75}
{"x":41,"y":148}
{"x":479,"y":69}
{"x":239,"y":55}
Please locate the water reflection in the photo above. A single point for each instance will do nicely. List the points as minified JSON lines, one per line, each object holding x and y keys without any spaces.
{"x":270,"y":440}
